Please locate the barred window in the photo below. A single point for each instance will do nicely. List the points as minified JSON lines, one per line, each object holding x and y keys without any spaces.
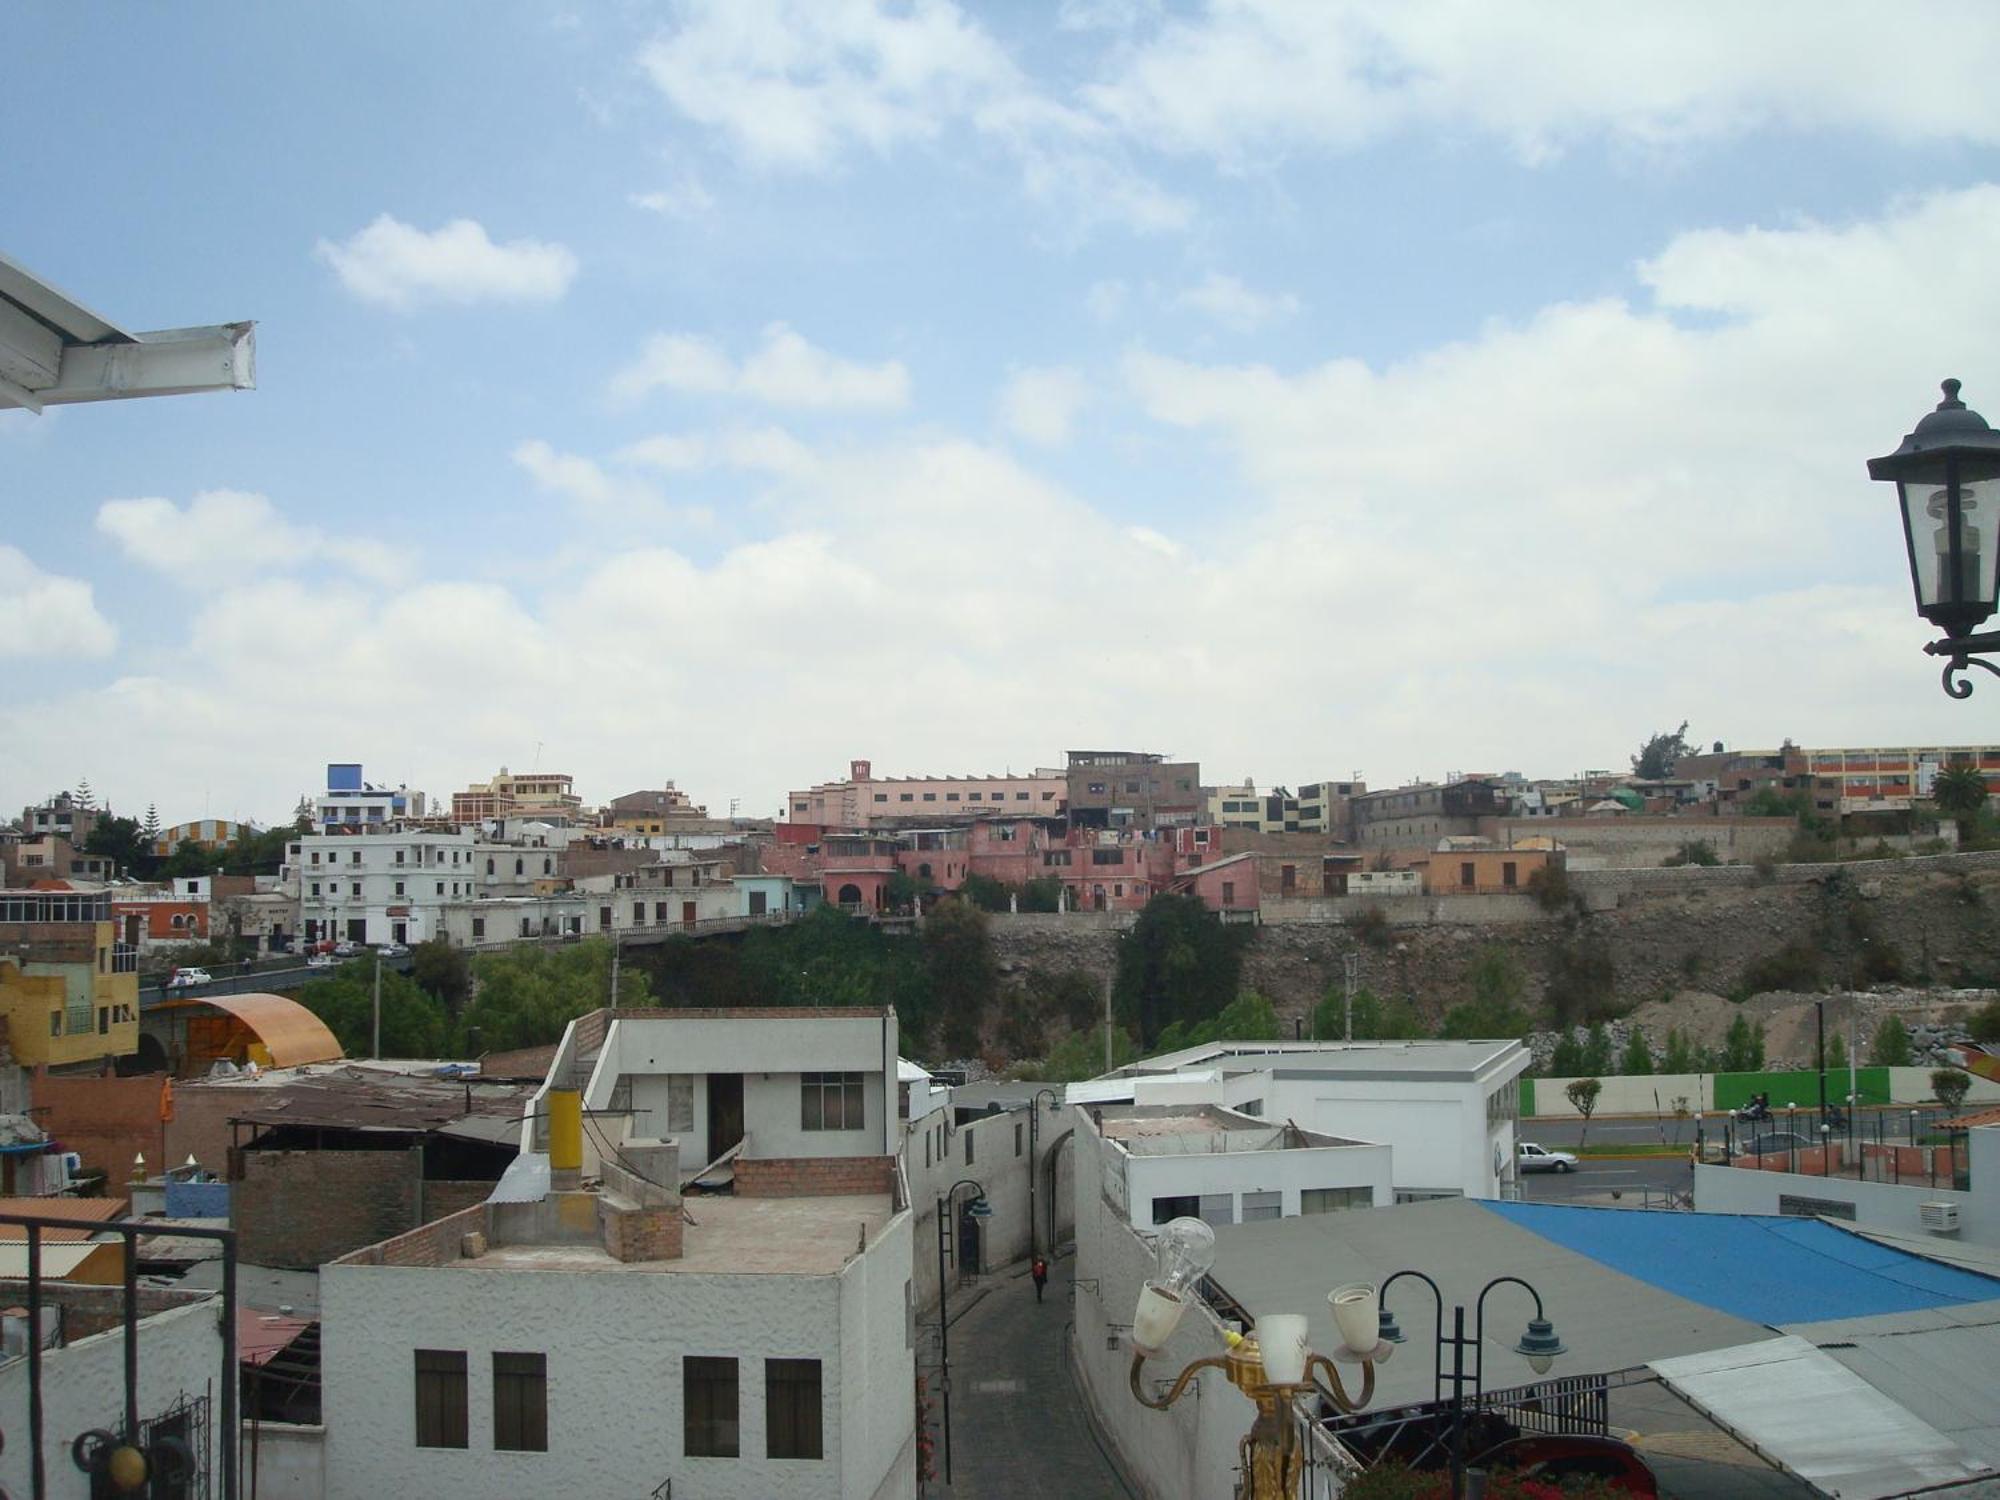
{"x":830,"y":1101}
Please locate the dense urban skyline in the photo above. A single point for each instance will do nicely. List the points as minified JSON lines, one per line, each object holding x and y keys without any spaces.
{"x":723,"y":393}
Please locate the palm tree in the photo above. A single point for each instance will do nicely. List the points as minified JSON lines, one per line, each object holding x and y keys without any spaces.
{"x":1960,"y":792}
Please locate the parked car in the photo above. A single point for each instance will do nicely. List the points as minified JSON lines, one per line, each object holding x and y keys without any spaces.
{"x":182,"y":979}
{"x":320,"y":960}
{"x":391,"y":950}
{"x":1528,"y":1157}
{"x":345,"y":949}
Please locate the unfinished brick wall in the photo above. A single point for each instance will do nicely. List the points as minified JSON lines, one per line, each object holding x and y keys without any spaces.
{"x":301,"y":1209}
{"x":813,"y":1176}
{"x":200,"y":1126}
{"x":642,"y":1233}
{"x":107,"y":1121}
{"x":443,"y":1198}
{"x":433,"y":1244}
{"x":93,"y":1309}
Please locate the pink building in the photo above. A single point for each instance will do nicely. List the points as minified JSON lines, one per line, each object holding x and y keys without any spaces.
{"x":866,"y":801}
{"x":1228,"y":885}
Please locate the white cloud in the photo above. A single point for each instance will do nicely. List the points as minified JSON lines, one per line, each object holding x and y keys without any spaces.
{"x":1040,"y":405}
{"x":48,"y":615}
{"x":770,"y":449}
{"x":232,"y":530}
{"x":795,"y":85}
{"x":1264,"y":75}
{"x":1106,"y":299}
{"x":1234,"y":305}
{"x":685,"y":197}
{"x":394,"y":264}
{"x":785,"y":371}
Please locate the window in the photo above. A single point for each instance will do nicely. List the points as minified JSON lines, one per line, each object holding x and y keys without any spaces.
{"x":441,"y":1398}
{"x":881,"y":796}
{"x":399,"y":856}
{"x":951,"y":796}
{"x":1165,"y":1210}
{"x":521,"y":1402}
{"x":930,"y":796}
{"x":659,"y":911}
{"x":976,"y":797}
{"x":399,"y":887}
{"x":1017,"y":1140}
{"x":638,"y":914}
{"x":489,"y":867}
{"x":968,"y":1148}
{"x":55,"y":1023}
{"x":1023,"y":796}
{"x":1465,"y":877}
{"x":680,"y":1102}
{"x":440,"y":886}
{"x":1262,"y":1206}
{"x":519,"y":868}
{"x":830,"y":1101}
{"x":315,"y":887}
{"x":1507,"y":874}
{"x":709,"y":1406}
{"x":104,"y":1025}
{"x":479,"y":927}
{"x":357,"y":886}
{"x":1228,"y":893}
{"x":355,"y":858}
{"x":792,"y":1409}
{"x":906,"y":797}
{"x":1330,"y":1200}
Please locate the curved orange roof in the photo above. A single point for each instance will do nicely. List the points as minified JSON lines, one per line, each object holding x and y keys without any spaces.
{"x":292,"y":1034}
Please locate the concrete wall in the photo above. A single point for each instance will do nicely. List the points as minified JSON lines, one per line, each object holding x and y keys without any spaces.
{"x":1231,"y":1174}
{"x":1438,"y":1130}
{"x":1643,"y":840}
{"x":284,"y":1461}
{"x":614,"y":1342}
{"x":1877,"y":1205}
{"x":1711,"y":1091}
{"x":83,"y":1386}
{"x":1002,"y":1175}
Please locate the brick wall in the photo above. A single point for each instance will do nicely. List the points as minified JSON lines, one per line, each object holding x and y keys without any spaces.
{"x":93,"y":1309}
{"x":813,"y":1176}
{"x":443,"y":1198}
{"x":641,"y":1233}
{"x":303,"y":1208}
{"x":200,"y":1126}
{"x":433,"y":1244}
{"x":106,"y":1120}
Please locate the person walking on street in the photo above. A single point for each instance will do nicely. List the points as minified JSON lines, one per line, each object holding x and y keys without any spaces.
{"x":1039,"y":1269}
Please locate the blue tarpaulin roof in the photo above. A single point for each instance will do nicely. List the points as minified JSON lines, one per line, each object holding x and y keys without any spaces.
{"x":1764,"y":1270}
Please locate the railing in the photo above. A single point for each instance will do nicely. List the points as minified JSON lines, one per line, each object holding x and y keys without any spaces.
{"x":1903,"y":1147}
{"x":165,"y":1438}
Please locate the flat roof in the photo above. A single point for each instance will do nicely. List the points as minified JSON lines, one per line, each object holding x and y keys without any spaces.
{"x":728,"y":1236}
{"x":1458,"y":1060}
{"x":1203,"y":1129}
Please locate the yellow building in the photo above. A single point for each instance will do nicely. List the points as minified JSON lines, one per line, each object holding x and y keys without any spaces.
{"x":69,"y":990}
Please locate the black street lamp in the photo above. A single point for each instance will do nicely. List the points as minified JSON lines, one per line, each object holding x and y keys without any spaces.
{"x":1538,"y":1345}
{"x":1947,"y":475}
{"x":947,"y":1210}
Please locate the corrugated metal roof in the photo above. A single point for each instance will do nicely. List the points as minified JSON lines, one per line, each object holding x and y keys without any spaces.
{"x":354,"y":1098}
{"x":86,"y":1213}
{"x":526,"y":1180}
{"x":1764,"y":1269}
{"x":292,"y":1034}
{"x":1942,"y":1363}
{"x":1816,"y":1418}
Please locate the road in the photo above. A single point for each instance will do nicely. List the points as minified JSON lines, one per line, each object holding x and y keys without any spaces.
{"x":1628,"y":1184}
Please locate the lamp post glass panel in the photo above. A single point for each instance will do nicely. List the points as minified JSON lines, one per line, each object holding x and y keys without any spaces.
{"x":1947,"y":477}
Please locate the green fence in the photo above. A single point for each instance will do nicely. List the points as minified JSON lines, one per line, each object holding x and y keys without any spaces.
{"x":1800,"y":1087}
{"x":1527,"y":1098}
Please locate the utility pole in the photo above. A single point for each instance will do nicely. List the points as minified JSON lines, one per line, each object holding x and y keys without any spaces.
{"x":1109,"y":980}
{"x":616,"y":950}
{"x":378,"y":1004}
{"x":1351,"y":970}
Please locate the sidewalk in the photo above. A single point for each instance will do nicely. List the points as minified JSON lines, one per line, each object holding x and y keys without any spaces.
{"x":1018,"y":1423}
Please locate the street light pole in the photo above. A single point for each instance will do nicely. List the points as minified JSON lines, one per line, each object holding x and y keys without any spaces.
{"x":378,"y":1004}
{"x":1034,"y":1137}
{"x":944,"y":1227}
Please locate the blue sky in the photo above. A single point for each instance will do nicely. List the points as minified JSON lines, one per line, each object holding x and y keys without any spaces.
{"x":720,"y":393}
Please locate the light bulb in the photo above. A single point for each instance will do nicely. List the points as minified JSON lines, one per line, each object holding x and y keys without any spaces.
{"x":1281,"y":1344}
{"x":1183,"y":1251}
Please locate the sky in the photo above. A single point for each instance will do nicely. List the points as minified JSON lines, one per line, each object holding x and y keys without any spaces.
{"x":719,"y":393}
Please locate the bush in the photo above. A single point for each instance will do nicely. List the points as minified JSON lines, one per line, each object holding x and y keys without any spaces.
{"x":1891,"y":1045}
{"x":1371,"y":926}
{"x":1743,"y":1047}
{"x":1582,"y":981}
{"x":1375,"y":1019}
{"x":1793,"y":967}
{"x":1550,"y":887}
{"x":1985,"y":1022}
{"x":1950,"y":1086}
{"x":1693,"y":852}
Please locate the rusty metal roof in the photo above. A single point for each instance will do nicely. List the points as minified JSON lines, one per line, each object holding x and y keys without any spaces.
{"x":87,"y":1212}
{"x":354,"y":1098}
{"x":292,"y":1034}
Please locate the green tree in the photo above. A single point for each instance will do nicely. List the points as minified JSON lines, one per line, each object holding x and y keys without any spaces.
{"x":1080,"y":1055}
{"x":1949,"y":1086}
{"x":413,"y":1024}
{"x":1638,"y":1058}
{"x":150,"y":829}
{"x":1582,"y":1095}
{"x":1836,"y":1053}
{"x":1743,"y":1047}
{"x":1657,"y":755}
{"x":445,"y":974}
{"x":1178,"y":962}
{"x":1566,"y":1061}
{"x":1494,"y":1010}
{"x":1582,"y":980}
{"x":1597,"y":1050}
{"x":1959,"y":792}
{"x":1043,"y":893}
{"x":1693,"y":852}
{"x":124,"y":843}
{"x":958,"y":961}
{"x":525,"y":996}
{"x":1891,"y":1046}
{"x":1985,"y":1023}
{"x":1248,"y":1018}
{"x":986,"y":893}
{"x":1680,"y":1056}
{"x":1072,"y":996}
{"x":1375,"y":1019}
{"x":189,"y":859}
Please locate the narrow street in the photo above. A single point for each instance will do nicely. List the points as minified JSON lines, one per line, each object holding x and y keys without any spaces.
{"x":1018,"y":1423}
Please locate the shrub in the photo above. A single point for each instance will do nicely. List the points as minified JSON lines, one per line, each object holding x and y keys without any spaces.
{"x":1693,"y":852}
{"x":1743,"y":1047}
{"x":1950,"y":1086}
{"x":1371,"y":926}
{"x":1793,"y":967}
{"x":1985,"y":1023}
{"x":1891,"y":1045}
{"x":1550,"y":887}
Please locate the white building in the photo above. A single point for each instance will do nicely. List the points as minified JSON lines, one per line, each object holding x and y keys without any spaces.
{"x":1447,"y":1110}
{"x":607,"y":1338}
{"x":351,"y":802}
{"x":399,"y":884}
{"x":1164,"y":1162}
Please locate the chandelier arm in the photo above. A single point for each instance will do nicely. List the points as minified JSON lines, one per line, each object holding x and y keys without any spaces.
{"x":1174,"y":1392}
{"x":1338,"y":1393}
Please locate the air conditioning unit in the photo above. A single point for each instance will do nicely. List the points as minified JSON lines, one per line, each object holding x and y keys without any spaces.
{"x":1939,"y":1218}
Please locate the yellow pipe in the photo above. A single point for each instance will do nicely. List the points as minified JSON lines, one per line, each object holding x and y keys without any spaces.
{"x":565,"y":1130}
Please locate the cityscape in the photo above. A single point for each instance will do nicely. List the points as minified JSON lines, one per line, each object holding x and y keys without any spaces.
{"x":565,"y":580}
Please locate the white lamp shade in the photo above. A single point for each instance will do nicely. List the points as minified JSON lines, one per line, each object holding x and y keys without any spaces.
{"x":1155,"y":1318}
{"x":1281,"y":1341}
{"x":1356,"y":1313}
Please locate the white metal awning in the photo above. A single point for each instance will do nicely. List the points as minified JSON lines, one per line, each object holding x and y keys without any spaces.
{"x":54,"y":350}
{"x":1811,"y":1416}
